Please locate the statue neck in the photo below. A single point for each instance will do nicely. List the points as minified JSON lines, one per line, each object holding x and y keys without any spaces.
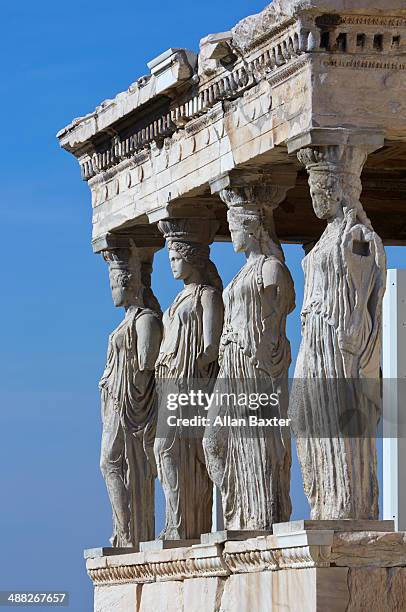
{"x":131,"y":308}
{"x":253,"y":251}
{"x":195,"y":278}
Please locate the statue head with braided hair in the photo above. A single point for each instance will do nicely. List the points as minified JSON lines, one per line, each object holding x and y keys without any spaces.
{"x":125,"y":275}
{"x":250,"y":218}
{"x":335,"y":183}
{"x":189,"y":252}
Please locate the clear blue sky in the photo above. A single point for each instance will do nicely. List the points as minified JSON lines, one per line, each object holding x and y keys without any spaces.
{"x":58,"y":61}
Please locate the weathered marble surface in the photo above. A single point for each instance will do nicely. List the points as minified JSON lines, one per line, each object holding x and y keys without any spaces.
{"x":165,"y":597}
{"x":296,"y":572}
{"x":203,"y":592}
{"x":129,"y":402}
{"x":377,"y":589}
{"x":311,"y":590}
{"x":252,"y":28}
{"x":273,"y":78}
{"x":374,"y":549}
{"x":345,"y":525}
{"x":123,"y":598}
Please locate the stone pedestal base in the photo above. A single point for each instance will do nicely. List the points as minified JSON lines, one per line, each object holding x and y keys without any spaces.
{"x":308,"y":570}
{"x":166,"y":544}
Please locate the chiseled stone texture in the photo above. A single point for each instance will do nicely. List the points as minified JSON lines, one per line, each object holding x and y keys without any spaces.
{"x":372,"y":549}
{"x":377,"y":589}
{"x":308,"y":590}
{"x":331,"y":588}
{"x":203,"y":594}
{"x":117,"y":598}
{"x":315,"y":570}
{"x":161,"y":597}
{"x":313,"y":589}
{"x":334,"y":589}
{"x":248,"y":592}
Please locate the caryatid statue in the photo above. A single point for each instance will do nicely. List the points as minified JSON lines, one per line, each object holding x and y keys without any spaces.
{"x":335,"y":403}
{"x":252,"y":468}
{"x":129,"y":403}
{"x":188,"y":360}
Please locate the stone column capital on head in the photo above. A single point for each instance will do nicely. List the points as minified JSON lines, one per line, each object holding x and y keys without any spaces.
{"x":338,"y":159}
{"x":196,"y":230}
{"x":257,"y":189}
{"x":334,"y":160}
{"x":130,"y":249}
{"x":147,"y":242}
{"x":336,"y":156}
{"x":368,"y":139}
{"x":192,"y":220}
{"x":132,"y":252}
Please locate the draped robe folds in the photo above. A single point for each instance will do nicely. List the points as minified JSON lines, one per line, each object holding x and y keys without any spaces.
{"x":178,"y":450}
{"x":129,"y":410}
{"x":335,"y":400}
{"x":252,"y":468}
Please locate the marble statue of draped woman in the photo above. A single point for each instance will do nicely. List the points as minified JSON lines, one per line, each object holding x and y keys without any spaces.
{"x":129,"y":407}
{"x":188,"y":359}
{"x":335,"y":401}
{"x":252,"y":470}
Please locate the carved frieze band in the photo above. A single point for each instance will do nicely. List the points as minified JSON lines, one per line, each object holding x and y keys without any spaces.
{"x":275,"y":61}
{"x":167,"y":570}
{"x":121,"y":574}
{"x":222,"y":565}
{"x":364,"y":63}
{"x":371,"y":20}
{"x":251,"y":561}
{"x":298,"y":557}
{"x":355,"y":549}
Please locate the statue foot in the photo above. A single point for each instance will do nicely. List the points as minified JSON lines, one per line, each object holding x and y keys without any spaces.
{"x":162,"y":535}
{"x":169,"y":534}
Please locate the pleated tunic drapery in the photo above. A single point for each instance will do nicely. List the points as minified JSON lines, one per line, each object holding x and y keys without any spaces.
{"x":334,"y":415}
{"x":178,"y":450}
{"x":252,"y":470}
{"x":129,"y":409}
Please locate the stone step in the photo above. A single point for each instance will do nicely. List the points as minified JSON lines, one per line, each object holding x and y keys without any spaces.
{"x":333,"y":525}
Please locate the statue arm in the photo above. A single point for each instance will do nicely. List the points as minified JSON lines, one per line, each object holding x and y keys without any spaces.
{"x":213,"y":313}
{"x":275,"y":298}
{"x":149,"y":336}
{"x":360,"y":320}
{"x":361,"y":278}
